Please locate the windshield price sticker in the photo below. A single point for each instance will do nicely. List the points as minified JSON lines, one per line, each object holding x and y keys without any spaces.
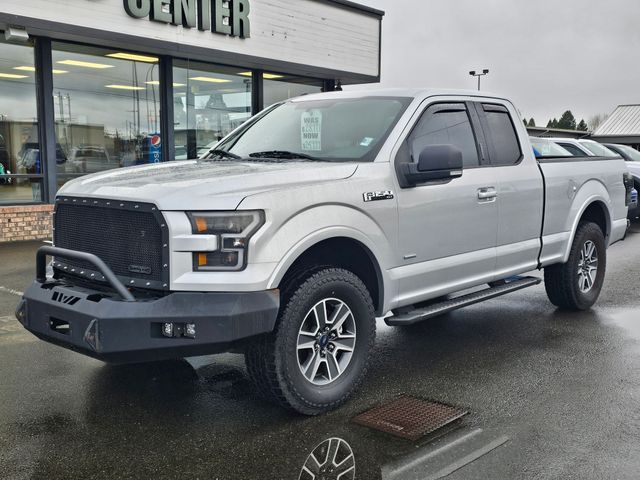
{"x":311,"y":131}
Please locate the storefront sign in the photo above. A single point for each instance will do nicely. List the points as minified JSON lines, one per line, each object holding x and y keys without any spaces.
{"x":227,"y":17}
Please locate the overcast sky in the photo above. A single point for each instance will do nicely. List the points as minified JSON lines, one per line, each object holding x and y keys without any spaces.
{"x":546,"y":55}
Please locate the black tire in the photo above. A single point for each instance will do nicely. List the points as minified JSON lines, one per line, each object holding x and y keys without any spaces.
{"x":562,"y":282}
{"x":273,"y":360}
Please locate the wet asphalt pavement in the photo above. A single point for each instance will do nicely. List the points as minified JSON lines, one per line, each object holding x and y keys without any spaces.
{"x":550,"y":394}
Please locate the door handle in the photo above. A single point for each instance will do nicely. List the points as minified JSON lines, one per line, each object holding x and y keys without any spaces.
{"x":487,"y":193}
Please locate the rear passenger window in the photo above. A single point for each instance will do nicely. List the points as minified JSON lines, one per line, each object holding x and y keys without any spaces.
{"x":445,"y":124}
{"x":502,"y":137}
{"x":575,"y":151}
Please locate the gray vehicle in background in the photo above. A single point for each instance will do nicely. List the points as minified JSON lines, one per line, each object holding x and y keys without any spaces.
{"x":582,"y":148}
{"x":632,"y":157}
{"x":318,"y":215}
{"x":592,"y":148}
{"x":543,"y":147}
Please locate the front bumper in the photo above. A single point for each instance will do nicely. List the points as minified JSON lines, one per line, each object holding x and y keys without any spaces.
{"x":111,"y":329}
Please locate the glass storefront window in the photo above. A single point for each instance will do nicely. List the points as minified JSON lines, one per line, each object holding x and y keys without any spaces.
{"x":107,"y":109}
{"x":19,"y":147}
{"x":279,"y":87}
{"x":209,"y":102}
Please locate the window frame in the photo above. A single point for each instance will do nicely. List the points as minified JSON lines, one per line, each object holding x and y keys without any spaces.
{"x":479,"y":108}
{"x":42,"y":177}
{"x":403,"y":154}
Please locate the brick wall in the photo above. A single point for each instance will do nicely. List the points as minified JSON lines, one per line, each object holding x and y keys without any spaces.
{"x":29,"y":222}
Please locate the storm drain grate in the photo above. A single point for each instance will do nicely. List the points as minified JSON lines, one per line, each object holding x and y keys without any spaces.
{"x":409,"y":417}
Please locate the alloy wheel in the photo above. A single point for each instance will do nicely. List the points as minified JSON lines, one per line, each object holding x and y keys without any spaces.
{"x":326,"y":341}
{"x":587,"y":266}
{"x":333,"y":459}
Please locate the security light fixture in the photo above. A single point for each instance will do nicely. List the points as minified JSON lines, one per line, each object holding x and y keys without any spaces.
{"x":473,"y":73}
{"x":16,"y":35}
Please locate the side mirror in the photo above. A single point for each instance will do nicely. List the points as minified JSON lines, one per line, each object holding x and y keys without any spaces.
{"x":436,"y":162}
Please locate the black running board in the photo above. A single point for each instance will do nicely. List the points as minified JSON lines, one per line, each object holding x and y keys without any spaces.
{"x":440,"y":308}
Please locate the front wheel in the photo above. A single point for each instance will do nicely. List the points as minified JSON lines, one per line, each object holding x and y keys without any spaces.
{"x":576,"y":285}
{"x":319,"y":351}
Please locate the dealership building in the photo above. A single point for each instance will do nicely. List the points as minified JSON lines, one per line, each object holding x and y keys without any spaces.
{"x":92,"y":85}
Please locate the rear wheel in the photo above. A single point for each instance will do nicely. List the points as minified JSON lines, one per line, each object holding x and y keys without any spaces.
{"x":319,"y":351}
{"x":576,"y":284}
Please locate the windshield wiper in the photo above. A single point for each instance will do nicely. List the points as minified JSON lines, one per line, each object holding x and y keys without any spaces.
{"x":223,"y":154}
{"x":282,"y":154}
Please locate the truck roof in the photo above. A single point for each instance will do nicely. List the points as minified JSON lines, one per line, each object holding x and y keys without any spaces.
{"x":400,"y":92}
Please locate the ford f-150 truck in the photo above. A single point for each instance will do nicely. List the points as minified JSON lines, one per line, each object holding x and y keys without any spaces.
{"x":318,"y":215}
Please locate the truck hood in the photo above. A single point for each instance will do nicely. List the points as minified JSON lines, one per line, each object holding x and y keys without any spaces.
{"x":201,"y":184}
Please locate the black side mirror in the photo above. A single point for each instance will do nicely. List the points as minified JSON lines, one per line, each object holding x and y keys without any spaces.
{"x":436,"y":162}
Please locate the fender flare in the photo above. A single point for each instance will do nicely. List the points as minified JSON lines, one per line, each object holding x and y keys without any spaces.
{"x":602,"y":197}
{"x":329,"y":233}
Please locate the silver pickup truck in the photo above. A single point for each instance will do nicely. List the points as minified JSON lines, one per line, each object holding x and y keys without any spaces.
{"x":318,"y":215}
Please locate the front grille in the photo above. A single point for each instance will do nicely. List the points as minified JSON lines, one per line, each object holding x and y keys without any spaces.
{"x":129,"y":237}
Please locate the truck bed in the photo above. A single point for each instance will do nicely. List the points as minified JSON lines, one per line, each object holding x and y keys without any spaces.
{"x":569,"y":184}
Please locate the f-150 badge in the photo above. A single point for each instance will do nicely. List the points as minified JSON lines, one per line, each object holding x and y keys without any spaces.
{"x":374,"y":196}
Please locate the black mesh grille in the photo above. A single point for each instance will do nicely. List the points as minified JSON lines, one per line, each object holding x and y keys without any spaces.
{"x":129,"y":241}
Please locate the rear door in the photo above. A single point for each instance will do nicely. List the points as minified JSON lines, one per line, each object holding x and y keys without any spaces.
{"x":447,"y":227}
{"x":520,"y":188}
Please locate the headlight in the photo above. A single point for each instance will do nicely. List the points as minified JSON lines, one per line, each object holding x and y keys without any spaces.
{"x":233,"y":229}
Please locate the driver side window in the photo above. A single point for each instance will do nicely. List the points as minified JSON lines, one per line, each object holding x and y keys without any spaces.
{"x":445,"y":124}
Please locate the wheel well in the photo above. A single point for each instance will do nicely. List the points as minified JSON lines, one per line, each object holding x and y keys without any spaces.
{"x":342,"y":253}
{"x":597,"y":213}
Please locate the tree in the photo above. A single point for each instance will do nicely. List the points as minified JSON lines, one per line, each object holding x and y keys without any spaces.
{"x":552,"y":123}
{"x":597,"y":120}
{"x":524,"y":120}
{"x":582,"y":126}
{"x":532,"y":122}
{"x":567,"y":121}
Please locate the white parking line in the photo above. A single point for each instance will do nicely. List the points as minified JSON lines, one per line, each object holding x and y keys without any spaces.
{"x":11,"y":291}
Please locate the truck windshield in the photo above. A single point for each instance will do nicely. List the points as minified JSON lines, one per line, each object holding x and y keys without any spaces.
{"x":324,"y":130}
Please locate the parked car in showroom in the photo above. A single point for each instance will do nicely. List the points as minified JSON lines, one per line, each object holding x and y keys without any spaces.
{"x":310,"y":220}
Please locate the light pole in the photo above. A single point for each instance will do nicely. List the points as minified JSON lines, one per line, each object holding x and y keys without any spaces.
{"x":473,"y":73}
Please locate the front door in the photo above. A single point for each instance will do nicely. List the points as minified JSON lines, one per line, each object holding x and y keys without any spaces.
{"x":447,"y":228}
